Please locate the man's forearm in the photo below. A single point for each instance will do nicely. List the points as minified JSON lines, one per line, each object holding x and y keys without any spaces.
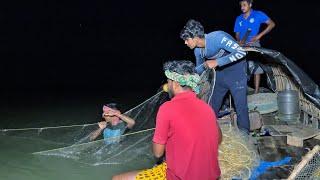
{"x":238,"y":37}
{"x":270,"y":26}
{"x":158,"y":149}
{"x":232,"y":57}
{"x":95,"y":134}
{"x":220,"y":133}
{"x":128,"y":120}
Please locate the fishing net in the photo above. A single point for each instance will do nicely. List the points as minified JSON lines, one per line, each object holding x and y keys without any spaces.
{"x":74,"y":141}
{"x":237,"y":157}
{"x":309,"y":167}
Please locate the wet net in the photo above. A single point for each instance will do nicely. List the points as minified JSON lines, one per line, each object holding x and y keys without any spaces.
{"x":237,"y":154}
{"x":74,"y":141}
{"x":309,"y":167}
{"x":237,"y":157}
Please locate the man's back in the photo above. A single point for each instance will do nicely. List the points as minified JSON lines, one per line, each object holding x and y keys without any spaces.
{"x":187,"y":126}
{"x":222,"y":47}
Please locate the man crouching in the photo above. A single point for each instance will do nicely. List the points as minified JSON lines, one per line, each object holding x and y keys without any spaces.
{"x":186,"y":129}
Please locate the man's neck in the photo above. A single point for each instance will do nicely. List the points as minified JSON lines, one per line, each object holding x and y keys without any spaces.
{"x":201,"y":43}
{"x":181,"y":90}
{"x":247,"y":14}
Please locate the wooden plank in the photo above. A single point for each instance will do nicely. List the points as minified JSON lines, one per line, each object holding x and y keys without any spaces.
{"x":296,"y":134}
{"x":294,"y":141}
{"x":297,"y":137}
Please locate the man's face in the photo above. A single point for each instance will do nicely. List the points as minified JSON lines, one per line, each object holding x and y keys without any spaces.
{"x":191,"y":43}
{"x":112,"y":119}
{"x":245,"y":6}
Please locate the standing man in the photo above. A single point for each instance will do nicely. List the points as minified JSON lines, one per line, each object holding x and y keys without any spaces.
{"x":219,"y":50}
{"x":186,"y":130}
{"x":247,"y":28}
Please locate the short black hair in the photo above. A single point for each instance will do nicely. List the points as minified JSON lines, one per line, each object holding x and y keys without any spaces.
{"x":181,"y":67}
{"x":192,"y":29}
{"x":112,"y":106}
{"x":248,"y":1}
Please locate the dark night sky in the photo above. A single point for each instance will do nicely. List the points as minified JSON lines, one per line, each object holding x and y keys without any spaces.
{"x":108,"y":46}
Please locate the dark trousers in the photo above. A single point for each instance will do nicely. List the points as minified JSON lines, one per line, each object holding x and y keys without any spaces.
{"x":236,"y":83}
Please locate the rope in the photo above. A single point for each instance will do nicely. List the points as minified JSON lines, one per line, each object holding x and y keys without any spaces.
{"x":236,"y":156}
{"x":213,"y":85}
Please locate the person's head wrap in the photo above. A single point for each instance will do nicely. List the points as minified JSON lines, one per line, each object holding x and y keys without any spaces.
{"x":192,"y":29}
{"x":184,"y":73}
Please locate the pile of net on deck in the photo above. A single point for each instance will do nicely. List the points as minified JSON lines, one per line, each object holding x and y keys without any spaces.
{"x":236,"y":155}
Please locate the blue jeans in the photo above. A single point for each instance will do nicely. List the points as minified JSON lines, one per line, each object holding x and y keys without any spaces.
{"x":236,"y":82}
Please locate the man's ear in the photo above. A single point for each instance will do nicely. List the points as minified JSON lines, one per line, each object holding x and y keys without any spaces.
{"x":196,"y":39}
{"x":175,"y":85}
{"x":250,"y":4}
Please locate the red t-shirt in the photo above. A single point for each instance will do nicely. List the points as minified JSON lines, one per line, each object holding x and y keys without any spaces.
{"x":187,"y":127}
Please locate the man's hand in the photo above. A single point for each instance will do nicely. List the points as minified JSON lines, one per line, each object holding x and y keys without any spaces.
{"x":212,"y":64}
{"x":112,"y":112}
{"x":241,"y":43}
{"x":255,"y":39}
{"x":102,"y":124}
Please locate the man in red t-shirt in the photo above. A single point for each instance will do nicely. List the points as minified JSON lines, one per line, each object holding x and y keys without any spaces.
{"x":186,"y":129}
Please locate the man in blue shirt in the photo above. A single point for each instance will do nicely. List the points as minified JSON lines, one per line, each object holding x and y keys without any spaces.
{"x":113,"y":125}
{"x":247,"y":28}
{"x":219,"y":50}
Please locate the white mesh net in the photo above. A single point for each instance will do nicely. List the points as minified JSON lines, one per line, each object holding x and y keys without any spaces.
{"x":237,"y":156}
{"x":309,"y":167}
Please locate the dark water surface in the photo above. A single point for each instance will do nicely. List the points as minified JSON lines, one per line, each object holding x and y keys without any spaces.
{"x":26,"y":110}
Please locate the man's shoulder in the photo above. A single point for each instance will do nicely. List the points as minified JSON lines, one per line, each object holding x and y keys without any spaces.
{"x":203,"y":104}
{"x":120,"y":126}
{"x":258,"y":13}
{"x":240,"y":17}
{"x":197,"y":51}
{"x":213,"y":33}
{"x":166,"y":106}
{"x":216,"y":36}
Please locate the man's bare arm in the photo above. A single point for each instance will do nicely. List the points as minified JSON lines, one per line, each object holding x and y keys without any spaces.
{"x":158,"y":150}
{"x":130,"y":122}
{"x":95,"y":134}
{"x":238,"y":37}
{"x":270,"y":26}
{"x":220,"y":133}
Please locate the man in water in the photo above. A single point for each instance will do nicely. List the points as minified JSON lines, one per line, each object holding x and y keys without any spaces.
{"x":186,"y":129}
{"x":114,"y":124}
{"x":219,"y":50}
{"x":247,"y":27}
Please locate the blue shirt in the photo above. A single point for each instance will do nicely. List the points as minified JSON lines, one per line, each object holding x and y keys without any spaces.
{"x":112,"y":134}
{"x":253,"y":22}
{"x":222,"y":47}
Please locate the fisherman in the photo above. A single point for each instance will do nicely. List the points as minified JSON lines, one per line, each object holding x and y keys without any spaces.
{"x":220,"y":51}
{"x":247,"y":27}
{"x":113,"y":125}
{"x":186,"y":129}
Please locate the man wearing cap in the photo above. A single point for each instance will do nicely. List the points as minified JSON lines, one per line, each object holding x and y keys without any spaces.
{"x":247,"y":27}
{"x":186,"y":129}
{"x":220,"y":51}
